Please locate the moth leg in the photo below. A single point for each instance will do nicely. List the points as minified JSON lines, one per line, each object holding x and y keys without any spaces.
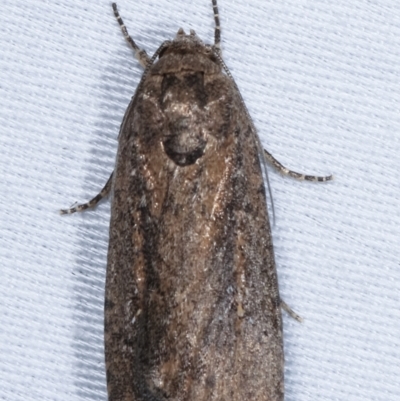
{"x":290,"y":311}
{"x":217,"y":30}
{"x":92,"y":203}
{"x":293,"y":174}
{"x":140,"y":54}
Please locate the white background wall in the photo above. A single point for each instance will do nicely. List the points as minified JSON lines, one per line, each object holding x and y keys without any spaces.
{"x":322,"y":82}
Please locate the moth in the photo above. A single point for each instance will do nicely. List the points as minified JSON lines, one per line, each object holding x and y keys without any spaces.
{"x":192,"y":308}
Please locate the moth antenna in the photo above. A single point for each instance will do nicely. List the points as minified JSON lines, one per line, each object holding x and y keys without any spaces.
{"x":217,"y":30}
{"x":140,"y":54}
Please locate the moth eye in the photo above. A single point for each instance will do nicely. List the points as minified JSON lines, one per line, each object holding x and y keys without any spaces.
{"x":213,"y":58}
{"x":162,"y":52}
{"x":209,"y":51}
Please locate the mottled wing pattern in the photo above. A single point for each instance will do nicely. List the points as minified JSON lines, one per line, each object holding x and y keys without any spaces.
{"x":192,"y":303}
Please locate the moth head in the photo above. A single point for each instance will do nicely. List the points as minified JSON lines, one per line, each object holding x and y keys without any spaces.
{"x":186,"y":52}
{"x":181,"y":34}
{"x":182,"y":37}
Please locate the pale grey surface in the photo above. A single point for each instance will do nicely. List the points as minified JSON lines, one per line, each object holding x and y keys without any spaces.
{"x":322,"y":82}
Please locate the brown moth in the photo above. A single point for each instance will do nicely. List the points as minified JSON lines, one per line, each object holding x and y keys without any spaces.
{"x":192,"y":309}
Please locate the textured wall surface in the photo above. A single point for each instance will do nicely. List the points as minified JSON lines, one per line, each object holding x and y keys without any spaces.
{"x":322,"y":82}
